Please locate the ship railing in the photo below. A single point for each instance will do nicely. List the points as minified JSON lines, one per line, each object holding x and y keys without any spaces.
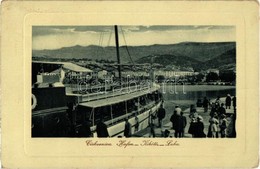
{"x":88,"y":88}
{"x":109,"y":94}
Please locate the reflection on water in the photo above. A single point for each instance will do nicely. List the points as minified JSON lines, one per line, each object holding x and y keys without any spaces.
{"x":194,"y":92}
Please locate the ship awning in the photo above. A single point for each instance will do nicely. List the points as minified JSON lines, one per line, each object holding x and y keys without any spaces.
{"x":76,"y":68}
{"x":117,"y":99}
{"x":67,"y":65}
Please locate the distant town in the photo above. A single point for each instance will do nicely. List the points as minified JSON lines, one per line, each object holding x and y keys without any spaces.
{"x":101,"y":70}
{"x":186,"y":62}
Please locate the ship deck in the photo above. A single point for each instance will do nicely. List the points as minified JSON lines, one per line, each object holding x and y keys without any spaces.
{"x":112,"y":96}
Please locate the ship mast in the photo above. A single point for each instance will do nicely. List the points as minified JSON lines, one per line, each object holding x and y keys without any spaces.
{"x":118,"y":56}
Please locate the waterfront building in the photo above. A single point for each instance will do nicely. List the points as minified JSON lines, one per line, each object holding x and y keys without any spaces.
{"x":173,"y":73}
{"x":213,"y":71}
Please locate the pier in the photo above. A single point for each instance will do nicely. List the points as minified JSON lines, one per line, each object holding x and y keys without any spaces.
{"x":167,"y":125}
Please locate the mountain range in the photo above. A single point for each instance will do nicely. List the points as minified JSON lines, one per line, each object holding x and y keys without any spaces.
{"x":197,"y":55}
{"x":225,"y":61}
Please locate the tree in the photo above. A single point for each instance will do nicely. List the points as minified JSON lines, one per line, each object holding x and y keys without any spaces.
{"x":212,"y":76}
{"x":227,"y":76}
{"x":199,"y":77}
{"x":160,"y":78}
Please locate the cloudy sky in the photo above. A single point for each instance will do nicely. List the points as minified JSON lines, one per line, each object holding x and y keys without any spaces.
{"x":54,"y":37}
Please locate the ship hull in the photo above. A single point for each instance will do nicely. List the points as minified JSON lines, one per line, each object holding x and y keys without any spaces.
{"x":144,"y":120}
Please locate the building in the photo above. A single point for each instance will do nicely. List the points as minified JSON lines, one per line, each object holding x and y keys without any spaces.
{"x":63,"y":69}
{"x":213,"y":71}
{"x":132,"y":73}
{"x":173,"y":73}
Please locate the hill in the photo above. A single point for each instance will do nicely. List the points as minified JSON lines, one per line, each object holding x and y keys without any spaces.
{"x":172,"y":61}
{"x":197,"y":51}
{"x":225,"y":61}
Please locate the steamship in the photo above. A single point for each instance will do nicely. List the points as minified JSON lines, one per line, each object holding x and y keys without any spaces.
{"x":60,"y":111}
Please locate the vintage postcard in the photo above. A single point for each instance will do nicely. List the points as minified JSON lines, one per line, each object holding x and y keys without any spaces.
{"x":129,"y":84}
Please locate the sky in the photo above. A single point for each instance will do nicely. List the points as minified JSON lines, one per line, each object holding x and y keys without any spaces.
{"x":55,"y":37}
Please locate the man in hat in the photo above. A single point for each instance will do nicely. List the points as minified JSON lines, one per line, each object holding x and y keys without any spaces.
{"x":178,"y":124}
{"x":199,"y":132}
{"x":228,"y":101}
{"x":102,"y":129}
{"x":128,"y":129}
{"x":173,"y":118}
{"x":161,"y":114}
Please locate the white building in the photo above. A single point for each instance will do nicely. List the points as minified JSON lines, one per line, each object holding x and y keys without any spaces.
{"x":173,"y":73}
{"x":213,"y":71}
{"x":134,"y":73}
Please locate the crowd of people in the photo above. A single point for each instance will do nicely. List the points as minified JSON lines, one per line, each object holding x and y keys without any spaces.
{"x":218,"y":117}
{"x":218,"y":122}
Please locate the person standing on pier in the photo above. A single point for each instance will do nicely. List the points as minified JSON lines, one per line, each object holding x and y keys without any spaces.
{"x":234,"y":102}
{"x":199,"y":132}
{"x":213,"y":127}
{"x":128,"y":129}
{"x":223,"y":126}
{"x":192,"y":126}
{"x":173,"y":118}
{"x":192,"y":110}
{"x":176,"y":122}
{"x":102,"y":129}
{"x":183,"y":123}
{"x":221,"y":110}
{"x":217,"y":102}
{"x":213,"y":109}
{"x":161,"y":114}
{"x":228,"y":101}
{"x":205,"y":104}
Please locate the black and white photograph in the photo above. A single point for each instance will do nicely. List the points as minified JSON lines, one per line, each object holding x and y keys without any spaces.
{"x":131,"y":81}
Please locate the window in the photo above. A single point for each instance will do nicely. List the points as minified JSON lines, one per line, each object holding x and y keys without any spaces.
{"x":102,"y":112}
{"x":118,"y":109}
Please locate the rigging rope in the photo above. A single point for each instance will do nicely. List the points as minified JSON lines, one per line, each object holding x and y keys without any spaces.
{"x":127,"y":47}
{"x":99,"y":42}
{"x":109,"y":39}
{"x":102,"y":39}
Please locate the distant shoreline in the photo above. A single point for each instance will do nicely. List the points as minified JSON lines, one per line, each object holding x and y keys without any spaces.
{"x":203,"y":87}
